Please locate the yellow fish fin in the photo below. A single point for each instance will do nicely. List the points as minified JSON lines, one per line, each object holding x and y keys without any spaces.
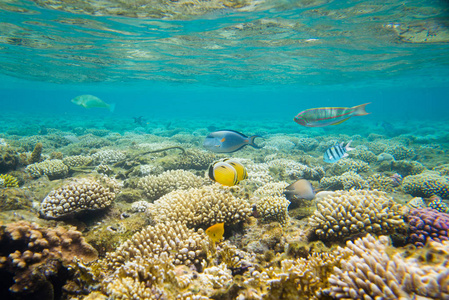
{"x":341,"y":121}
{"x":215,"y":232}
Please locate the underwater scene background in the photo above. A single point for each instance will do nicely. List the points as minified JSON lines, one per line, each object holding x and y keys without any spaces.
{"x":148,"y":149}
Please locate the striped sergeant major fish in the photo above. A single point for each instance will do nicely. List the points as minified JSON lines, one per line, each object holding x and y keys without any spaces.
{"x":325,"y":116}
{"x":337,"y":152}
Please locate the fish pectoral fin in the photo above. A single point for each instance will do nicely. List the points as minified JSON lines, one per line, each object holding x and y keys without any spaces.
{"x":340,"y":121}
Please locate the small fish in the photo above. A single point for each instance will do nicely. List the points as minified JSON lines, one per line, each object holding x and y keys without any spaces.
{"x":90,"y":101}
{"x":215,"y":232}
{"x":301,"y":188}
{"x":227,"y":141}
{"x":337,"y":152}
{"x":227,"y":172}
{"x":325,"y":116}
{"x":140,"y":121}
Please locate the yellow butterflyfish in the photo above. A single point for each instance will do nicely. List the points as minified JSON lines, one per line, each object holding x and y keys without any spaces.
{"x":215,"y":232}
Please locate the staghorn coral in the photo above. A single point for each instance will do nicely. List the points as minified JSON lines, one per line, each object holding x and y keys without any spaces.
{"x":79,"y":196}
{"x":30,"y":253}
{"x":77,"y":161}
{"x":427,"y":225}
{"x":342,"y":214}
{"x":8,"y":181}
{"x":371,"y":272}
{"x":426,"y":185}
{"x":346,"y":181}
{"x":201,"y":207}
{"x":380,"y":182}
{"x":157,"y":186}
{"x":53,"y":168}
{"x":273,"y":208}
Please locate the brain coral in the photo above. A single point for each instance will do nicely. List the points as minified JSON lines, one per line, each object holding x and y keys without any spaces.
{"x":372,"y":273}
{"x":201,"y":207}
{"x":28,"y":251}
{"x":427,"y":225}
{"x":83,"y":195}
{"x":426,"y":185}
{"x":157,"y":186}
{"x":53,"y":168}
{"x":342,"y":214}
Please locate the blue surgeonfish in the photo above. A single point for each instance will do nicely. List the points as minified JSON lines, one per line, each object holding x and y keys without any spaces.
{"x":226,"y":141}
{"x":337,"y":152}
{"x":90,"y":101}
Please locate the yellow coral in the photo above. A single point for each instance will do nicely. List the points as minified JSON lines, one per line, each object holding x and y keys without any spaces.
{"x":9,"y":180}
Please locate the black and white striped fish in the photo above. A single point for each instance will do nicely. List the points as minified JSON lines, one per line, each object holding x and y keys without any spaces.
{"x":337,"y":152}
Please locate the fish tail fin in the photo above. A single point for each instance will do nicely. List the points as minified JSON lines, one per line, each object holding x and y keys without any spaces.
{"x":360,"y":110}
{"x":347,"y":146}
{"x":252,"y":143}
{"x":112,"y":107}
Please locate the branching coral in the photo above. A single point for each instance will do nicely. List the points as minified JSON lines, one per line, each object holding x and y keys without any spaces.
{"x":426,"y":185}
{"x":342,"y":214}
{"x":380,"y":182}
{"x":83,"y":195}
{"x":349,"y":165}
{"x":77,"y":160}
{"x":273,"y":208}
{"x":201,"y":207}
{"x":372,"y":273}
{"x":7,"y":180}
{"x":346,"y":181}
{"x":53,"y":168}
{"x":157,"y":186}
{"x":428,"y":225}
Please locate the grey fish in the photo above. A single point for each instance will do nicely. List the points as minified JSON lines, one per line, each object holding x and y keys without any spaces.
{"x":301,"y":188}
{"x":89,"y":101}
{"x":226,"y":141}
{"x":337,"y":152}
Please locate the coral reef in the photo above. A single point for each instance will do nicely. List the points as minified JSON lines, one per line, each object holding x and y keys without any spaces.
{"x":9,"y":159}
{"x":400,"y":152}
{"x":31,"y":253}
{"x":342,"y":214}
{"x":204,"y":206}
{"x":371,"y":272}
{"x":348,"y":165}
{"x":14,"y":198}
{"x":108,"y":156}
{"x":427,"y":225}
{"x":380,"y":182}
{"x":8,"y":181}
{"x":426,"y":185}
{"x":36,"y":154}
{"x":275,"y":189}
{"x":79,"y":196}
{"x":306,"y":144}
{"x":363,"y":155}
{"x":157,"y":186}
{"x":53,"y":168}
{"x":273,"y":208}
{"x":190,"y":159}
{"x":437,"y":203}
{"x":346,"y":181}
{"x":77,"y":160}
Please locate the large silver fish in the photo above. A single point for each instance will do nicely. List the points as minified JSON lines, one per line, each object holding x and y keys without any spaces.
{"x":226,"y":141}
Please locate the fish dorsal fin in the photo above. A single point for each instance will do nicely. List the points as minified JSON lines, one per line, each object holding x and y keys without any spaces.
{"x":230,"y":130}
{"x":341,"y":121}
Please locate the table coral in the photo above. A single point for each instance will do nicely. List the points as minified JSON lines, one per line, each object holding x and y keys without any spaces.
{"x":29,"y":252}
{"x":342,"y":214}
{"x":373,"y":271}
{"x":53,"y":168}
{"x":157,"y":186}
{"x":427,"y":225}
{"x":204,"y":206}
{"x":426,"y":185}
{"x":79,"y":196}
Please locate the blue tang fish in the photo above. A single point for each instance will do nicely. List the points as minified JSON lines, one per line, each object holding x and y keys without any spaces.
{"x":337,"y":152}
{"x":226,"y":141}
